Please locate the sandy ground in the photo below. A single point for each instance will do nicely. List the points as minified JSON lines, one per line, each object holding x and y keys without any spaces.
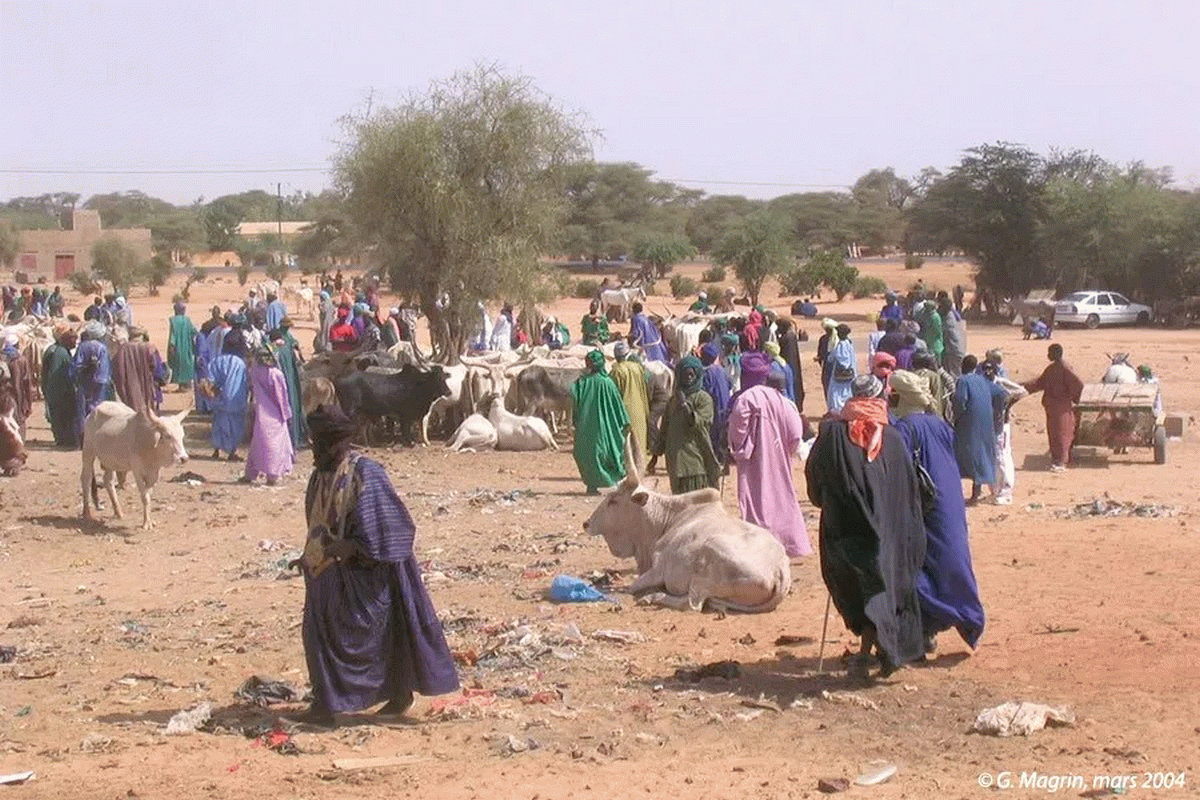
{"x":117,"y":629}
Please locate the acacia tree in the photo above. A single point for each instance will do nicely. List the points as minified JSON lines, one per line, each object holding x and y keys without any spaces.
{"x":756,"y":250}
{"x":10,"y":244}
{"x":116,"y":263}
{"x":660,"y":253}
{"x":461,"y":189}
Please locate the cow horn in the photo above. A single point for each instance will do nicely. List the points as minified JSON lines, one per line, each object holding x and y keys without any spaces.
{"x":632,"y":465}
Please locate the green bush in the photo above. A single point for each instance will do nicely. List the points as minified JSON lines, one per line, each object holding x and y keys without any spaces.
{"x":682,"y":286}
{"x":868,"y":286}
{"x":243,"y":274}
{"x":586,"y":289}
{"x":85,"y":283}
{"x":800,"y":280}
{"x":277,"y":270}
{"x":715,"y":292}
{"x":714,"y":274}
{"x":913,"y":261}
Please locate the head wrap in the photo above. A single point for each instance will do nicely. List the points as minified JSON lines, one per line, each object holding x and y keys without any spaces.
{"x":866,"y":385}
{"x":828,"y":324}
{"x":756,"y":367}
{"x":286,"y":322}
{"x":843,"y":331}
{"x":11,"y":340}
{"x":324,"y":295}
{"x":703,"y":296}
{"x":331,"y":431}
{"x":120,"y":301}
{"x":865,"y":419}
{"x":709,"y":353}
{"x":179,"y":308}
{"x":729,"y":339}
{"x":265,"y":356}
{"x":343,"y":312}
{"x":136,"y":333}
{"x":995,"y":355}
{"x":1144,"y":372}
{"x":772,"y":349}
{"x":361,"y":308}
{"x":760,"y":308}
{"x":912,"y":391}
{"x":884,"y":363}
{"x":594,"y":361}
{"x":92,"y":330}
{"x":689,"y":375}
{"x":620,"y":350}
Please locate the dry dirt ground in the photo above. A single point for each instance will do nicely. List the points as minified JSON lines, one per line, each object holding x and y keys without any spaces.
{"x":117,"y":629}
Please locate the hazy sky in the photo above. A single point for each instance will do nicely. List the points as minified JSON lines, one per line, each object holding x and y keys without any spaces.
{"x":803,"y":94}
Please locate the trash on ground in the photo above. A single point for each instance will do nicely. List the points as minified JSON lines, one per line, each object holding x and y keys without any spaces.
{"x":378,"y":762}
{"x":8,"y":654}
{"x":280,"y":741}
{"x":787,"y":640}
{"x":189,"y":720}
{"x":850,"y":698}
{"x":510,"y":745}
{"x":746,"y":716}
{"x":270,"y":545}
{"x":482,"y":497}
{"x":16,"y":778}
{"x":832,"y":785}
{"x":1021,"y":719}
{"x":876,"y":772}
{"x":569,"y":589}
{"x":624,"y":637}
{"x":1105,"y":507}
{"x":190,"y":478}
{"x":717,"y":669}
{"x":266,"y":691}
{"x":761,"y":702}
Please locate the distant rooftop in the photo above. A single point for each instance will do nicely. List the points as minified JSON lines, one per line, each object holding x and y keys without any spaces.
{"x":257,"y":228}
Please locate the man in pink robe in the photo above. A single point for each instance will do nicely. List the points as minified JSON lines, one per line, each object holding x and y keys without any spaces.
{"x":765,"y":429}
{"x":271,"y":452}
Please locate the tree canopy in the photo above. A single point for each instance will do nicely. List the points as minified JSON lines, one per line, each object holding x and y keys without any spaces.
{"x":462,"y":189}
{"x":756,"y":250}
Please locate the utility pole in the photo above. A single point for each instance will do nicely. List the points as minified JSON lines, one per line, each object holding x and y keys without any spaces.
{"x":279,"y":218}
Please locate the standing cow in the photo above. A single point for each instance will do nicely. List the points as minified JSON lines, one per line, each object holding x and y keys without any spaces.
{"x":124,"y":441}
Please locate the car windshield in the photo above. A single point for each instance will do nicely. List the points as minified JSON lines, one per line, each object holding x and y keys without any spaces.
{"x":1078,"y":297}
{"x":1120,"y":300}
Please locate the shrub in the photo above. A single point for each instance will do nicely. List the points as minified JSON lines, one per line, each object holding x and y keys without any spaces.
{"x":277,"y":270}
{"x":868,"y":286}
{"x":800,"y":280}
{"x":715,"y":292}
{"x":157,"y":272}
{"x":683,"y":286}
{"x":586,"y":289}
{"x":243,"y":274}
{"x":913,"y":261}
{"x":714,"y":274}
{"x":85,"y":283}
{"x":199,"y":274}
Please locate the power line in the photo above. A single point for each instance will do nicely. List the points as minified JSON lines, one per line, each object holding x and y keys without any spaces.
{"x":217,"y":171}
{"x":761,"y":183}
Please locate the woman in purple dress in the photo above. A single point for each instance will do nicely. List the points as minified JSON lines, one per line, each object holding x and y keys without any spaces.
{"x":271,"y":452}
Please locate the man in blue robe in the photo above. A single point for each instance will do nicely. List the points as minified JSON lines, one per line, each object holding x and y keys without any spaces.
{"x":231,"y":390}
{"x":644,"y":333}
{"x":977,"y":403}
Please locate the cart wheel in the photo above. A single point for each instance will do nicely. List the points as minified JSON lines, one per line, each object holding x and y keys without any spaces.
{"x":1092,"y":322}
{"x":1160,"y":444}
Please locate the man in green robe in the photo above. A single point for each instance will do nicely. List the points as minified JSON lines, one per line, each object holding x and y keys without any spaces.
{"x":59,"y":390}
{"x":684,"y":435}
{"x":600,"y":424}
{"x":181,"y":356}
{"x":630,"y":378}
{"x":931,"y":329}
{"x":287,"y":356}
{"x":594,"y":326}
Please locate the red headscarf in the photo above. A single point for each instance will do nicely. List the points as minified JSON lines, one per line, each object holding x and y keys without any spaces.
{"x":866,"y":417}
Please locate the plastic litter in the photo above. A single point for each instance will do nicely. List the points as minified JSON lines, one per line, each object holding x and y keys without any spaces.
{"x":850,"y":698}
{"x":1021,"y":719}
{"x":624,"y":637}
{"x":569,"y":589}
{"x":876,"y":772}
{"x":188,"y":721}
{"x":16,"y":778}
{"x":8,"y":654}
{"x":266,"y":691}
{"x":832,"y":785}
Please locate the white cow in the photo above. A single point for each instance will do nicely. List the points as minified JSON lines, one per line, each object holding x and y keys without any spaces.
{"x":1120,"y":370}
{"x":689,"y":550}
{"x":476,"y":433}
{"x":467,"y":385}
{"x":126,"y":441}
{"x":301,"y":297}
{"x":682,"y":334}
{"x":621,"y":299}
{"x":515,"y":432}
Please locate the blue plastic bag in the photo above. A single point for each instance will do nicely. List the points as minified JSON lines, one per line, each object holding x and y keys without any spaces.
{"x":569,"y":589}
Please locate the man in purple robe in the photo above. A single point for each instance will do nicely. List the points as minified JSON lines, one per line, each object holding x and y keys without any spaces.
{"x":271,"y":452}
{"x":371,"y":634}
{"x":716,"y":383}
{"x":644,"y":334}
{"x":764,"y":432}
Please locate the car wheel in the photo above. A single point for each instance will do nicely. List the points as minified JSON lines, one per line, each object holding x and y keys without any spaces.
{"x":1092,"y":321}
{"x":1144,"y":318}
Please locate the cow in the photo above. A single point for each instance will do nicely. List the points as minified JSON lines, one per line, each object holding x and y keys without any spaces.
{"x":456,"y":377}
{"x":689,"y":550}
{"x":515,"y":432}
{"x":545,"y":388}
{"x":317,"y":391}
{"x":302,"y":297}
{"x":617,"y":302}
{"x":124,"y":441}
{"x":682,"y":334}
{"x":476,"y":433}
{"x":405,"y":395}
{"x":1120,"y":370}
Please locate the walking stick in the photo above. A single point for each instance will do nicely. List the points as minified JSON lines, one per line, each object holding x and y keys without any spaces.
{"x":824,"y":629}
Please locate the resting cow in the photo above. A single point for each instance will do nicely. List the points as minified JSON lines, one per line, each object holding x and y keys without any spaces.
{"x":124,"y":441}
{"x":476,"y":433}
{"x":514,"y":432}
{"x":689,"y":549}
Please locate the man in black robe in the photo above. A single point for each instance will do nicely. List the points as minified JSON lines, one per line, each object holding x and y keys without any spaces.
{"x":789,"y":351}
{"x":861,"y":475}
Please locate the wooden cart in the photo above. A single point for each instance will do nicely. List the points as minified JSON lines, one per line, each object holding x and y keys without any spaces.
{"x":1121,"y":415}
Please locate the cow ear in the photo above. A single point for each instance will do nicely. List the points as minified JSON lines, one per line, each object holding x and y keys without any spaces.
{"x":641,"y":497}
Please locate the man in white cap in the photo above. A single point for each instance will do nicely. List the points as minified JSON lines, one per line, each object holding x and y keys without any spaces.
{"x":701,"y":305}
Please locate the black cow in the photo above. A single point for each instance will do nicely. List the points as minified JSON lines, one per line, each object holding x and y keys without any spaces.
{"x":537,"y":390}
{"x":403,"y":396}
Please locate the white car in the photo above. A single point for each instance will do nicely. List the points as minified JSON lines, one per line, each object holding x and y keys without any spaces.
{"x":1093,"y":309}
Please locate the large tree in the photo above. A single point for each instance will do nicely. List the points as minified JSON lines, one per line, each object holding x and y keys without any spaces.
{"x":10,"y":244}
{"x":118,"y":264}
{"x":221,"y":220}
{"x":711,"y":218}
{"x":461,"y":188}
{"x":756,"y":250}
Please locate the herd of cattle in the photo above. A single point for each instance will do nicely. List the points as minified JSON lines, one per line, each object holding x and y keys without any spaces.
{"x":689,"y":550}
